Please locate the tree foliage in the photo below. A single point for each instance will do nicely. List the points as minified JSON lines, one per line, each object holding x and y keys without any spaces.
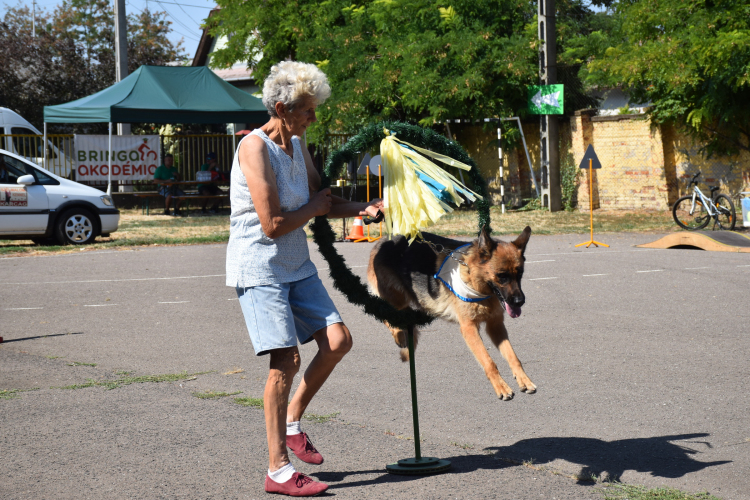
{"x":72,"y":55}
{"x":690,"y":59}
{"x":416,"y":60}
{"x":421,"y":61}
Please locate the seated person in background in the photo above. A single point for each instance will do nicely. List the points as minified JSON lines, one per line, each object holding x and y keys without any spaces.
{"x":167,"y":172}
{"x":212,"y":166}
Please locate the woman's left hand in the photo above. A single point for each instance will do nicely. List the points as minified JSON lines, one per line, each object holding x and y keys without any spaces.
{"x":373,"y":208}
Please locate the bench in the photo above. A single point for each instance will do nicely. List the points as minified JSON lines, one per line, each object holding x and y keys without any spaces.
{"x":145,"y":197}
{"x":189,"y":196}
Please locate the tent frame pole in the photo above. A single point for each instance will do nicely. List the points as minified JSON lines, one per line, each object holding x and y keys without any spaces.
{"x":109,"y":158}
{"x":44,"y":147}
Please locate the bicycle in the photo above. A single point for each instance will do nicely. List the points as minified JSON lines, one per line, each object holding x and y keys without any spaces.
{"x":694,"y":211}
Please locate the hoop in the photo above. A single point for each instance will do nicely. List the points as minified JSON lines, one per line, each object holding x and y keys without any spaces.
{"x":343,"y":279}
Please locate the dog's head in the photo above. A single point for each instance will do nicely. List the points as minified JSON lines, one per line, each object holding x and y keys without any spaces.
{"x":500,"y":266}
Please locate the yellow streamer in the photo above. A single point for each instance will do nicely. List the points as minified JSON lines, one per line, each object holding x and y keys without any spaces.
{"x":410,"y":205}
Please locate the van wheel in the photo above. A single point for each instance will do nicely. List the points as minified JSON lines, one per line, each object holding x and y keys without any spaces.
{"x":75,"y":227}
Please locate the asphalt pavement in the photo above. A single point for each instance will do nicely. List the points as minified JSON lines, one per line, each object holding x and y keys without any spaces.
{"x":640,"y":358}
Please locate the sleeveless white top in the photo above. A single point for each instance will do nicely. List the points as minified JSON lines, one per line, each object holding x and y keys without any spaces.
{"x":254,"y":259}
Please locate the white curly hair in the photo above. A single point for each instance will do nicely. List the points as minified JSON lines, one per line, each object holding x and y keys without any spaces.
{"x":291,"y":81}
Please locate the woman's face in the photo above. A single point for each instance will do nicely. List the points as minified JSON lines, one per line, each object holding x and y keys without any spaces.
{"x":301,"y":117}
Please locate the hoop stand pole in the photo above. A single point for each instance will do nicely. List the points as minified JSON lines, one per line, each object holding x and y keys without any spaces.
{"x":418,"y":465}
{"x":591,"y":211}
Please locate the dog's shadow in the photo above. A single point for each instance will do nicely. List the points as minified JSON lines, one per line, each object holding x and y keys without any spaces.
{"x":656,"y":455}
{"x":598,"y":459}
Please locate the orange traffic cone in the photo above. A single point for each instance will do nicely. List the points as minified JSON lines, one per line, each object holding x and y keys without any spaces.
{"x":358,"y":232}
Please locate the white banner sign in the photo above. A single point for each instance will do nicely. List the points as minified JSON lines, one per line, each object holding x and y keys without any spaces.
{"x":134,"y":157}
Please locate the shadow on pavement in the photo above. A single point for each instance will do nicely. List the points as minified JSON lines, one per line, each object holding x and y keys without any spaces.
{"x":42,"y":337}
{"x":459,"y":465}
{"x":655,"y":455}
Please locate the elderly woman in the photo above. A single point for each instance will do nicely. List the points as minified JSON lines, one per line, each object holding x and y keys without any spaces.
{"x":274,"y":193}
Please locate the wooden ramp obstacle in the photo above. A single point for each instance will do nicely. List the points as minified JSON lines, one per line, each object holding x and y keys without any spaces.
{"x":712,"y":241}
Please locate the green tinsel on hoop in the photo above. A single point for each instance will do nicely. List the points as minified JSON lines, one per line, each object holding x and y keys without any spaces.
{"x":369,"y":140}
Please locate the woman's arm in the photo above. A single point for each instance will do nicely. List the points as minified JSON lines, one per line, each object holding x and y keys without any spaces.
{"x":261,"y":181}
{"x":345,"y":208}
{"x":339,"y":206}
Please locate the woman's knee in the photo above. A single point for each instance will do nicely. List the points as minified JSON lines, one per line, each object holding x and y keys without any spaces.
{"x":287,"y":360}
{"x":339,"y":340}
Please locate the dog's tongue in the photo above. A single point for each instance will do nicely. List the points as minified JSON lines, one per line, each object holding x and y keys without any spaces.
{"x":513,"y":311}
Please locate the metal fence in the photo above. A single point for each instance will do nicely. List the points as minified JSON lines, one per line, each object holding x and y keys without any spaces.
{"x":189,"y":152}
{"x":59,"y":150}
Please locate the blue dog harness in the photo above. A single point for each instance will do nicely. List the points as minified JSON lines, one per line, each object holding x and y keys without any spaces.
{"x":450,"y":274}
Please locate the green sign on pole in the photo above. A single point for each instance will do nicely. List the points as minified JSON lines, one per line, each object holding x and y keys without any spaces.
{"x":546,"y":99}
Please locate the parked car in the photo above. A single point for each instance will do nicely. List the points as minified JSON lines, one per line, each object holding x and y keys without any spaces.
{"x":19,"y":139}
{"x":39,"y":205}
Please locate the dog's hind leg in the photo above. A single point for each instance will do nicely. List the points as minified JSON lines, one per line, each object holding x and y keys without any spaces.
{"x":470,"y":332}
{"x":400,"y":337}
{"x":499,"y":335}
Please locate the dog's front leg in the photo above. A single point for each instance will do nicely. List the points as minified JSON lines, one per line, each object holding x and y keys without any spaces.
{"x":470,"y":332}
{"x":499,"y":335}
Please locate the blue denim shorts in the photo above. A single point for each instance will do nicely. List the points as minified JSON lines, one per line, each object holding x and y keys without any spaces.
{"x":281,"y":315}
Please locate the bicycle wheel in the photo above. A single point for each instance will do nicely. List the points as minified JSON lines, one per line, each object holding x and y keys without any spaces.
{"x":687,"y":218}
{"x":727,"y":215}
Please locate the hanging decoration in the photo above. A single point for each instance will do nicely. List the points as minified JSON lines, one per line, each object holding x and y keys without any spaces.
{"x":351,"y":285}
{"x":417,"y":192}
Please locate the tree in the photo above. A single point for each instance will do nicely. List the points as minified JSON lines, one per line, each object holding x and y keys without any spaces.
{"x":72,"y":55}
{"x":691,"y":60}
{"x":414,"y":60}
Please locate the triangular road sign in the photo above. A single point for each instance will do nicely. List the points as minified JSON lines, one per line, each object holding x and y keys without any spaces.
{"x":590,"y":155}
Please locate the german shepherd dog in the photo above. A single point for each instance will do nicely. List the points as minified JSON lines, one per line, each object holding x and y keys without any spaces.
{"x":405,"y":276}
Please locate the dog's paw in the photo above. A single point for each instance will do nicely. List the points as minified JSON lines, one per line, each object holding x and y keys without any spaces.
{"x":525,"y":384}
{"x":506,"y":396}
{"x":504,"y":392}
{"x":404,"y":355}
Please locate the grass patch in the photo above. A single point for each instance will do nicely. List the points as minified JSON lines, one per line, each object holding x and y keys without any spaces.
{"x":464,"y":446}
{"x":214,"y":394}
{"x":127,"y":380}
{"x":53,"y":357}
{"x":628,"y":492}
{"x":13,"y":393}
{"x":251,"y":402}
{"x":78,"y":363}
{"x":320,"y":419}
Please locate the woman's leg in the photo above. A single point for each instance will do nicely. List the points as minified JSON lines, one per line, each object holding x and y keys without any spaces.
{"x":285,"y":364}
{"x":334,"y":342}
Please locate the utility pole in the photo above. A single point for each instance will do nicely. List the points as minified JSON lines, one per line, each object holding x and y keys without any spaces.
{"x":548,"y":126}
{"x":121,"y":53}
{"x":33,"y":19}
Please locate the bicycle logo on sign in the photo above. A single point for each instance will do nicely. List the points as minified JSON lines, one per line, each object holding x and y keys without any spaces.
{"x":694,"y":211}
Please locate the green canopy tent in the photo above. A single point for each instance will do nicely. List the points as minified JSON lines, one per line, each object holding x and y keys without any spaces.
{"x":161,"y":94}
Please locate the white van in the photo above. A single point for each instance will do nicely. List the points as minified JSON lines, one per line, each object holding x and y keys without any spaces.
{"x":38,"y":205}
{"x":11,"y":123}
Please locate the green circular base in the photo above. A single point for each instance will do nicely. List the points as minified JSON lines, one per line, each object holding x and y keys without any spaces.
{"x":414,"y":467}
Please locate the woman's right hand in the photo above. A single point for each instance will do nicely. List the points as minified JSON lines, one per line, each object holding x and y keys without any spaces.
{"x":321,"y":202}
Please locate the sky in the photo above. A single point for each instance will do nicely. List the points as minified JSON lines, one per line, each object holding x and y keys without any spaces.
{"x":186,"y":16}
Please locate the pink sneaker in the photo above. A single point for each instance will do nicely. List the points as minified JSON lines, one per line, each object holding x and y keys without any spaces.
{"x":302,"y":447}
{"x":299,"y":485}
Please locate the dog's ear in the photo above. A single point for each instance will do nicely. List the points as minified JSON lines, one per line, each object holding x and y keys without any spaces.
{"x":522,"y":239}
{"x":485,"y":244}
